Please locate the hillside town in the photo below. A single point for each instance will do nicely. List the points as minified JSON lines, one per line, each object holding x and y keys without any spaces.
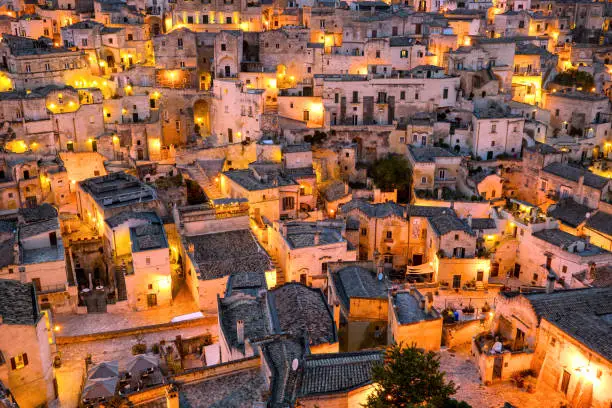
{"x":265,"y":203}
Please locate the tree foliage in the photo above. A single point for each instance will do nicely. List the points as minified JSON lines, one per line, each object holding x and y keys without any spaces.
{"x":573,"y":77}
{"x":393,"y":172}
{"x":411,"y":377}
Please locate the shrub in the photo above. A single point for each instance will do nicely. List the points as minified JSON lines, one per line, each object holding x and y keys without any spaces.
{"x":139,"y":348}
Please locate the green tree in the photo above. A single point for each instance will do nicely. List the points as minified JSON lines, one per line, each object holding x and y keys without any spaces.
{"x":573,"y":77}
{"x":410,"y":377}
{"x":393,"y":172}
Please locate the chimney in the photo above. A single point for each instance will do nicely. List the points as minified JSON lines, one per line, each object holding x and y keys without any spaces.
{"x":580,"y":184}
{"x":191,"y":248}
{"x":240,"y":331}
{"x":336,"y":310}
{"x":469,"y":220}
{"x":16,"y":259}
{"x":172,"y":397}
{"x":590,"y":275}
{"x":550,"y":283}
{"x":428,"y":302}
{"x":317,"y":237}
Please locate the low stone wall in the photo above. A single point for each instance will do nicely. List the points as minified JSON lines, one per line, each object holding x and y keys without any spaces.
{"x":199,"y":374}
{"x":61,"y":340}
{"x":148,"y":395}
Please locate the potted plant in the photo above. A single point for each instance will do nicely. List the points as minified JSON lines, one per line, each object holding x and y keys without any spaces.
{"x":469,"y":309}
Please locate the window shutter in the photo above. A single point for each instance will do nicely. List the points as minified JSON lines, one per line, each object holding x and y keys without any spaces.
{"x":13,"y":364}
{"x":25,"y":359}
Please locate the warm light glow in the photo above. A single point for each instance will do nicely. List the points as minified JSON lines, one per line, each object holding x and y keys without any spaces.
{"x":56,"y":328}
{"x":316,"y":107}
{"x":102,"y":64}
{"x":115,"y":139}
{"x":467,"y":41}
{"x":272,"y":83}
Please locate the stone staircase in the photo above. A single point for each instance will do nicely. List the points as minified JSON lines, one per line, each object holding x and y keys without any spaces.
{"x":209,"y":186}
{"x":120,"y":272}
{"x":280,"y":276}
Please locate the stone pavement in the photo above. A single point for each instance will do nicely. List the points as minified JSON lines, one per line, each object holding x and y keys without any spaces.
{"x":74,"y":325}
{"x":460,"y":368}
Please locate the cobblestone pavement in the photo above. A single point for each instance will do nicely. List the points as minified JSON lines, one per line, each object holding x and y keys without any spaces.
{"x":74,"y":325}
{"x":460,"y":368}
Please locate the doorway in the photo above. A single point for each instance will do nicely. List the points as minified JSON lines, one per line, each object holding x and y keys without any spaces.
{"x":498,"y":364}
{"x":151,"y":300}
{"x":417,"y":259}
{"x":565,"y":381}
{"x":53,"y":238}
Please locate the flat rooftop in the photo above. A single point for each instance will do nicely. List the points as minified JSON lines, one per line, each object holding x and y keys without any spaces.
{"x":117,"y":190}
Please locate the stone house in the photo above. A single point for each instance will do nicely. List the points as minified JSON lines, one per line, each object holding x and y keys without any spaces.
{"x":362,"y":298}
{"x":35,"y":63}
{"x":380,"y":232}
{"x":137,"y":245}
{"x":598,"y":228}
{"x":558,"y":180}
{"x":578,"y":113}
{"x":303,"y":249}
{"x":545,"y":332}
{"x":100,"y":198}
{"x":496,"y":131}
{"x":211,"y":259}
{"x":413,"y":320}
{"x":434,"y":168}
{"x":25,"y":338}
{"x":452,"y":251}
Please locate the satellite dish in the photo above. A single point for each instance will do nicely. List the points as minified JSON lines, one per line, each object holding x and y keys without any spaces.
{"x":294,"y":364}
{"x":380,"y":276}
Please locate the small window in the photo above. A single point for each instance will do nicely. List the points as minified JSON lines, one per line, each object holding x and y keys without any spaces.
{"x":364,"y":232}
{"x":389,"y":234}
{"x":423,"y":180}
{"x":456,"y":237}
{"x":150,"y":286}
{"x":223,"y":47}
{"x":403,"y":95}
{"x":148,"y":260}
{"x":19,"y":361}
{"x":404,"y":54}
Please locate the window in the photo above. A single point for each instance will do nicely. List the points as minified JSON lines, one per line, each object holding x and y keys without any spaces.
{"x":355,"y":97}
{"x":180,"y":43}
{"x":557,"y":113}
{"x":459,"y":252}
{"x":404,"y":54}
{"x":322,"y":24}
{"x":423,"y":180}
{"x":223,"y":47}
{"x":84,"y":42}
{"x":189,"y":19}
{"x":309,"y":70}
{"x":442,"y":174}
{"x":150,"y":286}
{"x":130,"y":37}
{"x":178,"y":125}
{"x":110,"y":40}
{"x":288,"y":203}
{"x":564,"y":269}
{"x":403,"y":95}
{"x":28,"y":68}
{"x":336,"y":98}
{"x":521,"y":24}
{"x":389,"y":234}
{"x":377,"y":53}
{"x":364,"y":232}
{"x":493,"y":128}
{"x":19,"y":361}
{"x":493,"y":143}
{"x":148,"y":260}
{"x":456,"y":237}
{"x":182,"y":64}
{"x":416,"y":96}
{"x":306,"y":116}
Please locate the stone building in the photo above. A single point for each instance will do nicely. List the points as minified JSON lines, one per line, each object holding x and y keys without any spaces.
{"x":380,"y":232}
{"x":35,"y":63}
{"x":413,"y":320}
{"x":545,"y":332}
{"x":434,"y":168}
{"x":496,"y":131}
{"x":25,"y":338}
{"x":303,"y":249}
